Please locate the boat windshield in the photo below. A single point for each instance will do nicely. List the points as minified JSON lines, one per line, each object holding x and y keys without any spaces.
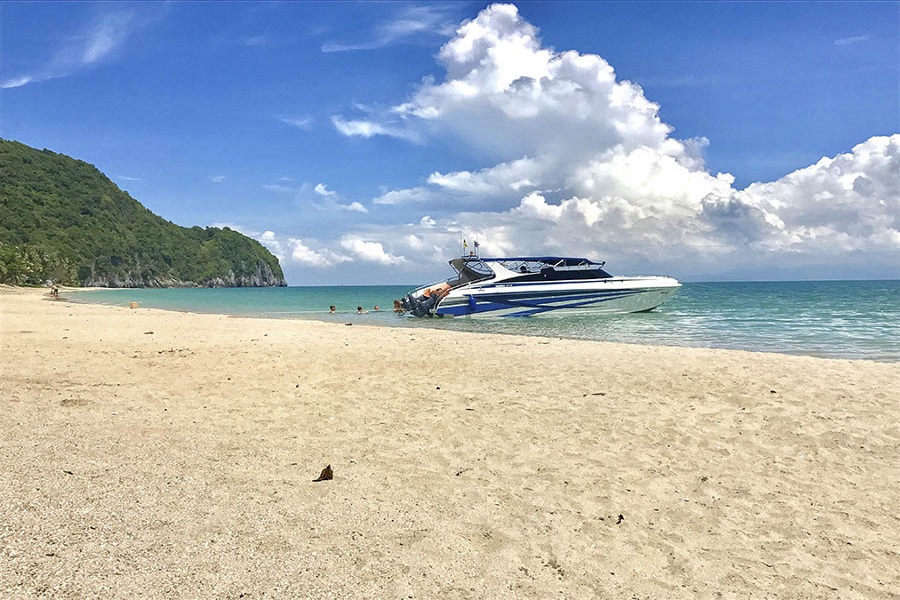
{"x":468,"y":271}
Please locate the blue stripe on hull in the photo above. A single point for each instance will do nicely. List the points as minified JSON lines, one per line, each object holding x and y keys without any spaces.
{"x":534,"y":303}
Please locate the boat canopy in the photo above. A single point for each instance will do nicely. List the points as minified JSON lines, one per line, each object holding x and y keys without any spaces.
{"x":553,"y":261}
{"x":527,"y":268}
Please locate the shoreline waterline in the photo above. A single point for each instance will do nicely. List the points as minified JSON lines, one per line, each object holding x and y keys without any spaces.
{"x":857,"y":320}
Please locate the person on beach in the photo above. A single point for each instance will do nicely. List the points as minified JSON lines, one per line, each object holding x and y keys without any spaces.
{"x":398,"y":308}
{"x":376,"y":309}
{"x":331,"y":309}
{"x":360,"y":310}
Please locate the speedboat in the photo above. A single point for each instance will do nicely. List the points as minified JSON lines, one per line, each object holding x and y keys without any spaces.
{"x":531,"y":285}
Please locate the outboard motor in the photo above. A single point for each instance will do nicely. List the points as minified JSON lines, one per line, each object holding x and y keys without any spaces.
{"x":415,"y":306}
{"x":430,"y":303}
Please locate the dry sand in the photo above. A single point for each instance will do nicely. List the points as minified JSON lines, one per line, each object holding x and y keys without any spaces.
{"x":154,"y":454}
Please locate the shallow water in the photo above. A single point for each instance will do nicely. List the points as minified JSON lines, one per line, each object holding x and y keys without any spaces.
{"x":836,"y":319}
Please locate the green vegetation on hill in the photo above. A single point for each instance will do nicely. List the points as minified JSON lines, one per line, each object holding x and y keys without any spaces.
{"x":62,"y":220}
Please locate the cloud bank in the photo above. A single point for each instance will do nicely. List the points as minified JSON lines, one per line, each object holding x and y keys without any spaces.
{"x":580,"y":162}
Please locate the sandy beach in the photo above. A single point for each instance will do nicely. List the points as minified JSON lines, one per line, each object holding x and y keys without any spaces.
{"x":166,"y":455}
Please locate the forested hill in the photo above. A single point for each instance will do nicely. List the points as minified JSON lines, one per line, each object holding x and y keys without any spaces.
{"x":62,"y":220}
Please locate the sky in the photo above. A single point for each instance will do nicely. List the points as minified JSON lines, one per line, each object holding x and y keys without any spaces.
{"x":361,"y":142}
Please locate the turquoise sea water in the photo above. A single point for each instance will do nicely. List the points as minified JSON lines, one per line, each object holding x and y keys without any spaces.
{"x":835,"y":319}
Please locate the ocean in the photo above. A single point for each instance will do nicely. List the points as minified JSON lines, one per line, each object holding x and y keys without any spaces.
{"x":831,"y":319}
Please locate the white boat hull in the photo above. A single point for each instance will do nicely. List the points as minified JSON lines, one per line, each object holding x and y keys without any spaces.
{"x":611,"y":295}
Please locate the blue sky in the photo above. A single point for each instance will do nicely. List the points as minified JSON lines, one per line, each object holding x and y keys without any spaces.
{"x":361,"y":141}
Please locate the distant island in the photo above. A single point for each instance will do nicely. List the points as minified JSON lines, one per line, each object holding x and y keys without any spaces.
{"x":63,"y":221}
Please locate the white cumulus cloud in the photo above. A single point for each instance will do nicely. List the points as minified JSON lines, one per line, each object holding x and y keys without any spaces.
{"x":323,"y":190}
{"x":583,"y":164}
{"x":362,"y":128}
{"x":303,"y":254}
{"x":274,"y":245}
{"x":355,"y":207}
{"x":571,"y":159}
{"x":369,"y":251}
{"x":292,"y":251}
{"x":850,"y":202}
